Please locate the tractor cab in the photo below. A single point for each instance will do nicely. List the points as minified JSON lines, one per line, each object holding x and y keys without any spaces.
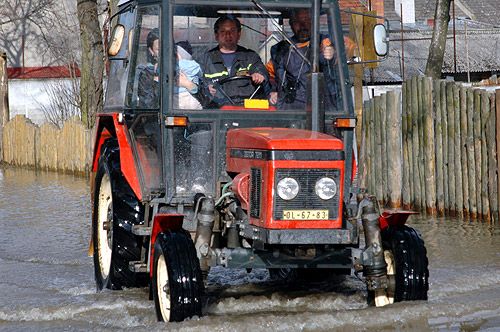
{"x":199,"y":162}
{"x":193,"y":140}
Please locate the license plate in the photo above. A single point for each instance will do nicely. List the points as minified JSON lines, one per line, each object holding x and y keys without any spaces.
{"x":305,"y":214}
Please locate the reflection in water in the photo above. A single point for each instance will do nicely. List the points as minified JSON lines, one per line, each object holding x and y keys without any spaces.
{"x":47,"y":279}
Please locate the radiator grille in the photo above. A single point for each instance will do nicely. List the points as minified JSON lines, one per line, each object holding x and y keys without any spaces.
{"x":255,"y":192}
{"x":307,"y":198}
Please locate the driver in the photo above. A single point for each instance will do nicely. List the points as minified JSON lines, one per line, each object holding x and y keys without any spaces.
{"x":227,"y":60}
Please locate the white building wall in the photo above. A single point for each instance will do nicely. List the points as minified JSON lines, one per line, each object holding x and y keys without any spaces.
{"x":27,"y":95}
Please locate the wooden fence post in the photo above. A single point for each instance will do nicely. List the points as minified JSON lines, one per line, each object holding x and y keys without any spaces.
{"x":463,"y":150}
{"x":477,"y":150}
{"x":497,"y":111}
{"x":409,"y":139}
{"x":363,"y":153}
{"x":384,"y":127}
{"x":394,"y":164}
{"x":485,"y":114}
{"x":439,"y":148}
{"x":4,"y":99}
{"x":492,"y":159}
{"x":405,"y":190}
{"x":458,"y":157}
{"x":415,"y":143}
{"x":379,"y":190}
{"x":471,"y":161}
{"x":421,"y":151}
{"x":373,"y":156}
{"x":428,"y":146}
{"x":444,"y":123}
{"x":451,"y":148}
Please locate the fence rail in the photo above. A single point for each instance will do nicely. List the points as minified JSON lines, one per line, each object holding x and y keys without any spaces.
{"x":47,"y":147}
{"x":440,"y":142}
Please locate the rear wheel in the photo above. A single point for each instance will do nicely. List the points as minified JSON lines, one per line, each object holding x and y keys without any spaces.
{"x":407,"y":265}
{"x":103,"y":231}
{"x":177,"y":280}
{"x":116,"y":209}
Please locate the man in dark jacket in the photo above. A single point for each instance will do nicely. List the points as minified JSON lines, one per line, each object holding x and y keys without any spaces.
{"x":289,"y":70}
{"x":229,"y":60}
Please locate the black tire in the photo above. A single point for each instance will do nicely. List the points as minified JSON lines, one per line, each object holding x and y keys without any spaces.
{"x":409,"y":261}
{"x":177,"y":281}
{"x":115,"y":201}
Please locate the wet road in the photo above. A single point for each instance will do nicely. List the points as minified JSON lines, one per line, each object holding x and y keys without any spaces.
{"x":46,"y":278}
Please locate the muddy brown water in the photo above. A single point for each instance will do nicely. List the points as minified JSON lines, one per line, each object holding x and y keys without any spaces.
{"x":46,"y":278}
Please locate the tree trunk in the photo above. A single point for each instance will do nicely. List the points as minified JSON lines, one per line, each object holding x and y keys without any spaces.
{"x":92,"y":66}
{"x":438,"y":43}
{"x":4,"y":101}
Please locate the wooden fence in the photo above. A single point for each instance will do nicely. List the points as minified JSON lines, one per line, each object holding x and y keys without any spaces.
{"x":435,"y":151}
{"x":47,"y":147}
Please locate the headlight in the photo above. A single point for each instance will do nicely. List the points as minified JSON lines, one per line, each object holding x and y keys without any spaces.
{"x":288,"y":188}
{"x":325,"y":188}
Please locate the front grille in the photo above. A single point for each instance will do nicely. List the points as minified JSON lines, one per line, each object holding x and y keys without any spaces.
{"x":306,"y":198}
{"x":255,"y":192}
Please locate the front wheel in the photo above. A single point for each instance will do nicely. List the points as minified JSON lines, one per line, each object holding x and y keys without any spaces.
{"x":177,"y":280}
{"x":407,"y":265}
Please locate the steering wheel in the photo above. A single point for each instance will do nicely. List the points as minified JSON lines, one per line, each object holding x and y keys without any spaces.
{"x":231,"y":79}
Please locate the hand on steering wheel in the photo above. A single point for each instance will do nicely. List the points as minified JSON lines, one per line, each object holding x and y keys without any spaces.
{"x":258,"y":77}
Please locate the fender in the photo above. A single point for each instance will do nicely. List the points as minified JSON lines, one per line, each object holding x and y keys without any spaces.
{"x":394,"y":218}
{"x":108,"y":126}
{"x":163,"y":222}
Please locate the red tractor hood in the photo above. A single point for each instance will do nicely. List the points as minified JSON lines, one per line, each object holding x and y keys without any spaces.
{"x":266,"y":138}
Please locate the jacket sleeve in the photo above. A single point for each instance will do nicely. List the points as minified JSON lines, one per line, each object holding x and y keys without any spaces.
{"x":259,"y":67}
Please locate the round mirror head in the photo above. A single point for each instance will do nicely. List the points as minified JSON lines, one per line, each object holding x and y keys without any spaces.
{"x":380,"y":40}
{"x":116,"y":40}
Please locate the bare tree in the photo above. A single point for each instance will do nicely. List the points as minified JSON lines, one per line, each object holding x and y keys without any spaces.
{"x":438,"y":42}
{"x":64,"y":99}
{"x":92,"y":61}
{"x":23,"y":22}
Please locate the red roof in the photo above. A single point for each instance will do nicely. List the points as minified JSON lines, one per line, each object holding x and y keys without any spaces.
{"x":42,"y":72}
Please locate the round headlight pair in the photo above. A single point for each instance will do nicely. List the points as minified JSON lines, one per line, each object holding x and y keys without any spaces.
{"x":288,"y":188}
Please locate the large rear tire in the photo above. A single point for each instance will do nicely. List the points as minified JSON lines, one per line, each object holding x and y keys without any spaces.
{"x":116,"y":209}
{"x":407,"y":264}
{"x":177,"y":280}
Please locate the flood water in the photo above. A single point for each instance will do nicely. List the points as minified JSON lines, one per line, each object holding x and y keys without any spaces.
{"x":47,"y":282}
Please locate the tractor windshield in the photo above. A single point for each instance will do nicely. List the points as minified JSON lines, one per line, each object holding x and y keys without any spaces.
{"x":237,"y":65}
{"x":246,"y":58}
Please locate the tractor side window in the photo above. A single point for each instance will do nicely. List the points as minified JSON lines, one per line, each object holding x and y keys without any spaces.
{"x":144,"y":78}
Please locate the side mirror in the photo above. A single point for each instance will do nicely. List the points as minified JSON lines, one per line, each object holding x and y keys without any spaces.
{"x":116,"y":40}
{"x":380,"y":40}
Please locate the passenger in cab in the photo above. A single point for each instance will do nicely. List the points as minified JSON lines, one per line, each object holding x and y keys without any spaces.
{"x":289,"y":70}
{"x":148,"y":89}
{"x":232,"y":72}
{"x":188,"y":77}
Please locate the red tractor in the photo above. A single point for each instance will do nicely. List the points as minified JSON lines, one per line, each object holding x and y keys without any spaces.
{"x":179,"y":190}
